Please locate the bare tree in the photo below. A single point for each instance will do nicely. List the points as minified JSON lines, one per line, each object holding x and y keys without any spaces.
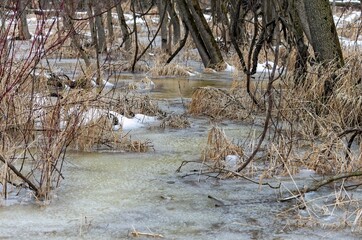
{"x":124,"y":28}
{"x":207,"y":47}
{"x":24,"y":33}
{"x":320,"y":29}
{"x":101,"y":34}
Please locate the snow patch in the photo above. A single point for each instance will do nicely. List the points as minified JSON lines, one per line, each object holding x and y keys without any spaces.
{"x":105,"y":83}
{"x":231,"y":162}
{"x":229,"y":68}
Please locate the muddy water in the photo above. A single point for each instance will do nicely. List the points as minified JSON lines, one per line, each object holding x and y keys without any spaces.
{"x":108,"y":195}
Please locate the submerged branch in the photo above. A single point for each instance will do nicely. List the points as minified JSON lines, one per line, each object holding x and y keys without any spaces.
{"x":222,"y":170}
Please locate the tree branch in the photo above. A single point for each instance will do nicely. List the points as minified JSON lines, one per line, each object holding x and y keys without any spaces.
{"x":20,"y":175}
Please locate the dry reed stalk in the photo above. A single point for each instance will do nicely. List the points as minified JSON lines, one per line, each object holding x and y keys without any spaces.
{"x":138,"y":146}
{"x":175,"y":121}
{"x":322,"y":118}
{"x":170,"y":70}
{"x":218,"y":147}
{"x":280,"y":161}
{"x":137,"y":234}
{"x":217,"y":104}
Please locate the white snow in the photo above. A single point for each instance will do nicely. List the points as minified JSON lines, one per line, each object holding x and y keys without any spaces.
{"x":346,"y":1}
{"x":138,"y":121}
{"x":266,"y":67}
{"x":229,"y":68}
{"x":341,"y":21}
{"x":231,"y":162}
{"x":345,"y":42}
{"x":208,"y":17}
{"x":106,"y":84}
{"x":130,"y":20}
{"x":124,"y":123}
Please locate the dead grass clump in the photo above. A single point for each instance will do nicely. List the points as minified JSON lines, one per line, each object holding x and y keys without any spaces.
{"x":175,"y":121}
{"x":138,"y":146}
{"x":142,"y":84}
{"x":126,"y":66}
{"x":217,"y":103}
{"x":326,"y":112}
{"x":335,"y":155}
{"x":347,"y":98}
{"x":218,"y":147}
{"x":97,"y":134}
{"x":168,"y":70}
{"x":280,"y":161}
{"x":129,"y":104}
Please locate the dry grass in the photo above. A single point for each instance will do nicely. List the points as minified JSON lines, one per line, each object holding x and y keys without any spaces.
{"x":218,"y":104}
{"x":218,"y":147}
{"x":38,"y":130}
{"x":170,"y":70}
{"x":175,"y":121}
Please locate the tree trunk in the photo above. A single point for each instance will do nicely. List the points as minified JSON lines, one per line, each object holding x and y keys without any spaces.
{"x":24,"y":33}
{"x":68,"y":25}
{"x":102,"y":45}
{"x":191,"y":14}
{"x":162,"y":9}
{"x":175,"y":22}
{"x":302,"y":49}
{"x":92,"y":27}
{"x":110,"y":25}
{"x":323,"y":34}
{"x":124,"y":28}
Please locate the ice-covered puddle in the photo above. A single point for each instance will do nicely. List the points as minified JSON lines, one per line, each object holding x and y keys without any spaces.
{"x":112,"y":195}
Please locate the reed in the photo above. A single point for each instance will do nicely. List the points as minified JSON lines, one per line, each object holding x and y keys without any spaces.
{"x":218,"y":147}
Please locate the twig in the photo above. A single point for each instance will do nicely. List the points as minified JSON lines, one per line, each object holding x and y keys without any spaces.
{"x":315,"y":186}
{"x":136,"y":233}
{"x":237,"y":174}
{"x":19,"y":174}
{"x":218,"y":203}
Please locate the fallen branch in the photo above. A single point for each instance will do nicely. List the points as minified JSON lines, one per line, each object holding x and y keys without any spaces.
{"x":316,"y":185}
{"x":222,"y":170}
{"x":135,"y":233}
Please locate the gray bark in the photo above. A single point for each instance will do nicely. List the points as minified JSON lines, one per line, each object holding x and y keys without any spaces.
{"x":92,"y":27}
{"x":204,"y":40}
{"x":124,"y":28}
{"x":101,"y":44}
{"x":302,"y":49}
{"x":24,"y":33}
{"x":68,"y":25}
{"x":162,"y":9}
{"x":323,"y":33}
{"x":110,"y":25}
{"x":175,"y":22}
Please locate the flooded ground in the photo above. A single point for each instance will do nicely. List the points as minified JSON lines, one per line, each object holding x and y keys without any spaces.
{"x":109,"y":195}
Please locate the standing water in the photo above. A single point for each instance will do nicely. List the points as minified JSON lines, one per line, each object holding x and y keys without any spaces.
{"x":117,"y":195}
